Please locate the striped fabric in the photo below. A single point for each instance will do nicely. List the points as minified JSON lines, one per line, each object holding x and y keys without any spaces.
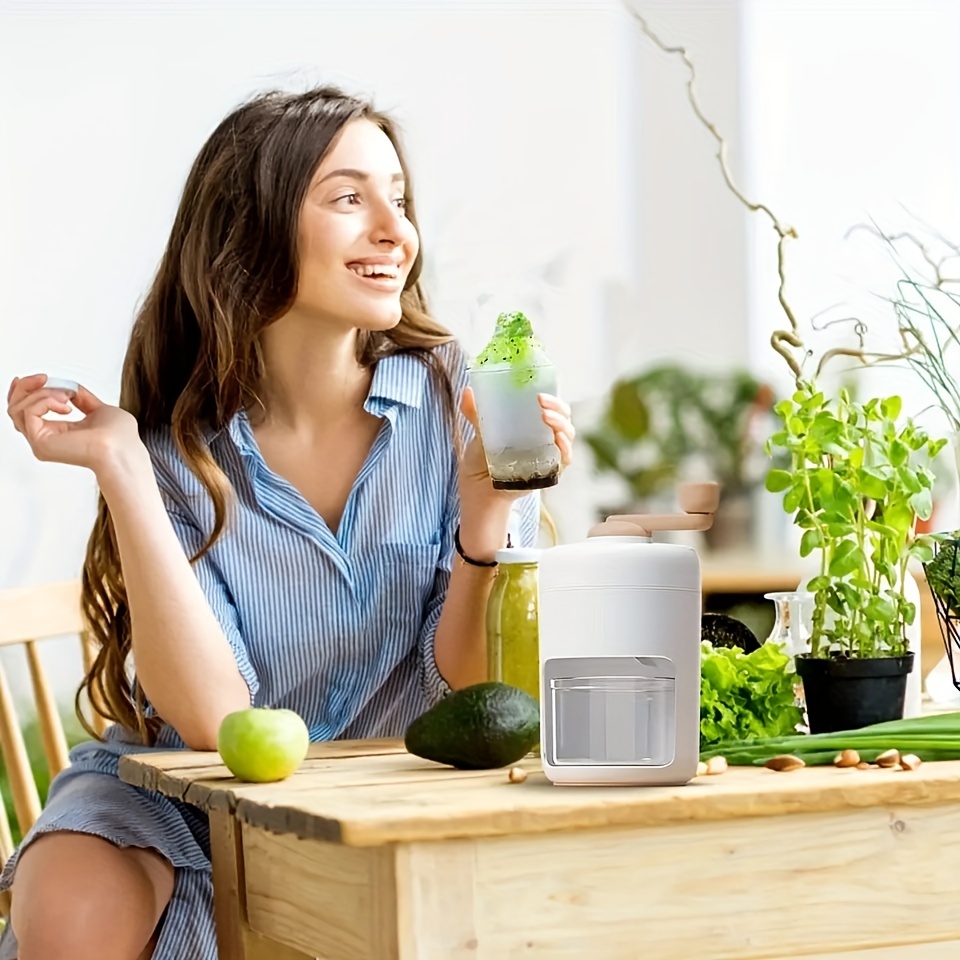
{"x":339,"y":628}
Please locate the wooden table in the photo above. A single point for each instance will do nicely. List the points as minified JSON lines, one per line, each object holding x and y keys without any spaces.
{"x":368,"y":853}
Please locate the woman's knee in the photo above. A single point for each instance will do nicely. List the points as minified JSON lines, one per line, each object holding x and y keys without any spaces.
{"x":77,"y":895}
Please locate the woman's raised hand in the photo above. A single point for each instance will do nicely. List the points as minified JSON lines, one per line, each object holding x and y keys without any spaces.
{"x":104,"y":434}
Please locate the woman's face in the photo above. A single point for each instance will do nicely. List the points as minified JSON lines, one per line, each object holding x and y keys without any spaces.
{"x":356,"y":245}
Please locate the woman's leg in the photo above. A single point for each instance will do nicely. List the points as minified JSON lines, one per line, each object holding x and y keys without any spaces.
{"x":80,"y":897}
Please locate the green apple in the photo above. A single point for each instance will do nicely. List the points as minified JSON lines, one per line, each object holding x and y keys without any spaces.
{"x":262,"y":745}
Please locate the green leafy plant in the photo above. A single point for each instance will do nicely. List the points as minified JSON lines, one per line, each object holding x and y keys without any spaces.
{"x":857,"y":482}
{"x":746,"y":695}
{"x":656,"y":421}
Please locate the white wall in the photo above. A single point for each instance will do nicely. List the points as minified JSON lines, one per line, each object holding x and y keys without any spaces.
{"x":690,"y":297}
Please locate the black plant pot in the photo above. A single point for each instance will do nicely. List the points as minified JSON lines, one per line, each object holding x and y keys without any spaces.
{"x":849,"y":694}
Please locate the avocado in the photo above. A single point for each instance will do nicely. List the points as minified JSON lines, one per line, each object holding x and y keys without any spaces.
{"x":480,"y":727}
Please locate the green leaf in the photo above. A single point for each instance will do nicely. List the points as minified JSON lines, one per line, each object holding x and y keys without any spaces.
{"x":899,"y":516}
{"x":872,"y":484}
{"x":778,"y":480}
{"x":810,"y":541}
{"x":878,"y":608}
{"x":922,"y":504}
{"x":909,"y":480}
{"x":850,"y":594}
{"x":628,"y":413}
{"x":838,"y":530}
{"x":891,"y":407}
{"x":792,"y":498}
{"x":909,"y":612}
{"x":846,"y":559}
{"x":922,"y":550}
{"x":899,"y":453}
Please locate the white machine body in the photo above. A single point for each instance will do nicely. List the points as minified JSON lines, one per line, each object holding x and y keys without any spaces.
{"x":620,"y":662}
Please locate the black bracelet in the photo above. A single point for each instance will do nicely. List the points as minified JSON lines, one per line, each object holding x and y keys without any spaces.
{"x":470,"y":560}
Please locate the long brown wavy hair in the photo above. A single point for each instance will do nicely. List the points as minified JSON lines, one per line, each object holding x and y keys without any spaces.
{"x":230,"y":268}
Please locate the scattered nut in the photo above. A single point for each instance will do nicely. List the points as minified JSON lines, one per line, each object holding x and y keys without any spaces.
{"x":889,"y":758}
{"x":863,"y":765}
{"x":847,"y":758}
{"x":784,"y":763}
{"x":910,"y":762}
{"x":716,"y":765}
{"x":701,"y":769}
{"x":517,"y":775}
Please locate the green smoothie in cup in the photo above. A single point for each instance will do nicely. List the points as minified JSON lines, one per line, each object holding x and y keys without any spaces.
{"x":506,"y":378}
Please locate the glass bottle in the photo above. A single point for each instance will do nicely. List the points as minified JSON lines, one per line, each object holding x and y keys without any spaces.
{"x":513,"y":635}
{"x":791,"y":633}
{"x":789,"y":630}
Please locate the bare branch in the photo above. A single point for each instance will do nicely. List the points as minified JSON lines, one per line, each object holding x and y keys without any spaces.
{"x":788,"y":343}
{"x":783,"y":230}
{"x":935,"y":264}
{"x":864,"y":356}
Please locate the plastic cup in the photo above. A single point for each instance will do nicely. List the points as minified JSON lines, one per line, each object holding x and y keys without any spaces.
{"x":521,"y":454}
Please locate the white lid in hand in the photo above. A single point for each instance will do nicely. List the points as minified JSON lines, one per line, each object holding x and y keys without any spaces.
{"x":59,"y":383}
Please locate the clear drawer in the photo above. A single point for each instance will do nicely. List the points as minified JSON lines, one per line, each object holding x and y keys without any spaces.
{"x":613,"y":720}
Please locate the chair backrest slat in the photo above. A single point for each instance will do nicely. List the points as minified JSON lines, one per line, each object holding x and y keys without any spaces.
{"x":48,"y":717}
{"x":26,"y":800}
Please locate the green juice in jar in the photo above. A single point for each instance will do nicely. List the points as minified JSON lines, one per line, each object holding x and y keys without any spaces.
{"x":513,"y":635}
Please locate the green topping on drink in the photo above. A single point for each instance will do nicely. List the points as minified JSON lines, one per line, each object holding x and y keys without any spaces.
{"x":513,"y":344}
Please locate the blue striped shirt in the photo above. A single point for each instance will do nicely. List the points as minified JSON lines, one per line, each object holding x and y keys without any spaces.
{"x":339,"y":628}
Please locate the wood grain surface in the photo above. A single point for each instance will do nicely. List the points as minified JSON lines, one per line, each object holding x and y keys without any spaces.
{"x":367,"y":793}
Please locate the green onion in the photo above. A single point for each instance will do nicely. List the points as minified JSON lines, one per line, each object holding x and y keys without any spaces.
{"x":935,"y":737}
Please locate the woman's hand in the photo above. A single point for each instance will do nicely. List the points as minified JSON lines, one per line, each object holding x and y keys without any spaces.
{"x":485,"y":511}
{"x":103,"y":436}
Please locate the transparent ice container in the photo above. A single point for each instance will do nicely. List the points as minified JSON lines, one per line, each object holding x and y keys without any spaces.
{"x":614,"y":720}
{"x":520,"y":449}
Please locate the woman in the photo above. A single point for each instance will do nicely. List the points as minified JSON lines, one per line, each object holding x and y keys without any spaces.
{"x":288,"y":421}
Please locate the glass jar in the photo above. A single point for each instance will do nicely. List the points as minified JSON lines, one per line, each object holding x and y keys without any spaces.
{"x":513,"y":633}
{"x":790,"y":631}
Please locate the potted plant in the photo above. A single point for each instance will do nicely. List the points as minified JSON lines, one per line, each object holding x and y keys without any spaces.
{"x":858,"y":480}
{"x":668,"y":419}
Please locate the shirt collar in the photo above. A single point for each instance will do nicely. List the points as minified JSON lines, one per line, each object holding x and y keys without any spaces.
{"x":397,"y":379}
{"x":241,"y":433}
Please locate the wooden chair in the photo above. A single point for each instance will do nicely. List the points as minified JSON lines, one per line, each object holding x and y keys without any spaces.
{"x":27,"y":616}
